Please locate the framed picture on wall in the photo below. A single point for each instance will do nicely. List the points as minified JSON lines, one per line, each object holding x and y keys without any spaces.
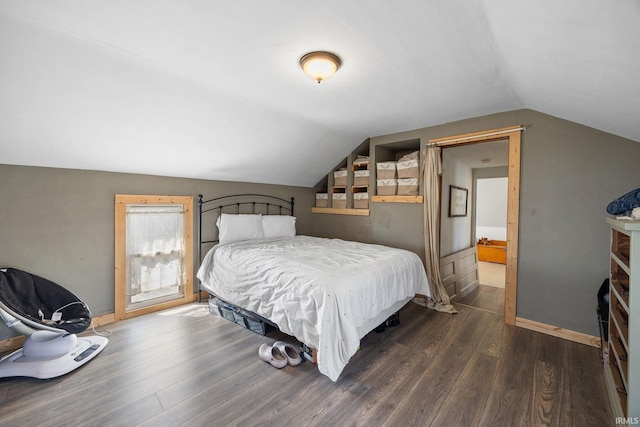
{"x":457,"y":201}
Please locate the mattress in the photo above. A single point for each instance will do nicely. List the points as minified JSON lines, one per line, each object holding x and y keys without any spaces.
{"x":328,"y":293}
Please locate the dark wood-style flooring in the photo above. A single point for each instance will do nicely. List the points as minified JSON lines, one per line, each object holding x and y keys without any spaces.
{"x":185,"y":367}
{"x":483,"y":297}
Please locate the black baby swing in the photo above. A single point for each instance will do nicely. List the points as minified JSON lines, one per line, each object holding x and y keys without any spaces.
{"x":50,"y":316}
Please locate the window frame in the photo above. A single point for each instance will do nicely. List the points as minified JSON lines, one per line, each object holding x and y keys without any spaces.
{"x":121,"y":202}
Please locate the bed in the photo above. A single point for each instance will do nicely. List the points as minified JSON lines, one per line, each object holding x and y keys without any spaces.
{"x":327,"y":293}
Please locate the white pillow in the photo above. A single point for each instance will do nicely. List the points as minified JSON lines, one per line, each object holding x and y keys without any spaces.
{"x":279,"y":226}
{"x":235,"y":228}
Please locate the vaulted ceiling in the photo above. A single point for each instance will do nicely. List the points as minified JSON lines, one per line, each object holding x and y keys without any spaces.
{"x":212,"y":89}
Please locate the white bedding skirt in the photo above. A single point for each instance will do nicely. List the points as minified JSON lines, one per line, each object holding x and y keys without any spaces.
{"x":328,"y":293}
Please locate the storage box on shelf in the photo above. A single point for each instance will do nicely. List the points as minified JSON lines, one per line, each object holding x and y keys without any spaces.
{"x":339,"y":200}
{"x":340,"y":178}
{"x":408,"y":169}
{"x":407,"y":186}
{"x":622,"y":374}
{"x":386,"y":170}
{"x":361,"y":177}
{"x":361,"y":163}
{"x":361,"y":200}
{"x":387,"y":187}
{"x":322,"y":200}
{"x":360,"y":197}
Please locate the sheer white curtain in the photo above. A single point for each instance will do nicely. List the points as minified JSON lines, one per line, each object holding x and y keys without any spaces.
{"x":432,"y":169}
{"x":154,"y":248}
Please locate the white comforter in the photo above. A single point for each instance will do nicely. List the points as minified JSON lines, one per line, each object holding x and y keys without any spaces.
{"x":328,"y":293}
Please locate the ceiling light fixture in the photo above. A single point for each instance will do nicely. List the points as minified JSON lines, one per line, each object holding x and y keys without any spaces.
{"x":320,"y":65}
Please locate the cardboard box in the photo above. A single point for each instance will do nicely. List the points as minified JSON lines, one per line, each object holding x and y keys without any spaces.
{"x":322,"y":200}
{"x":361,"y":178}
{"x":407,"y":186}
{"x":387,"y":187}
{"x":340,"y":178}
{"x":339,"y":200}
{"x":361,"y":200}
{"x":361,"y":162}
{"x":386,"y":170}
{"x":408,"y":169}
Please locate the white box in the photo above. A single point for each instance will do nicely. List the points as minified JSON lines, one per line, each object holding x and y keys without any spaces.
{"x":339,"y":200}
{"x":340,"y":178}
{"x":322,"y":200}
{"x":386,"y":170}
{"x":361,"y":200}
{"x":407,"y":186}
{"x":408,"y":169}
{"x":387,"y":187}
{"x":414,"y":155}
{"x":361,"y":162}
{"x":361,"y":178}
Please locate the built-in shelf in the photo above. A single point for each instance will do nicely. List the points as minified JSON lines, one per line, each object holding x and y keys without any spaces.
{"x":397,"y":199}
{"x":353,"y":186}
{"x":339,"y":211}
{"x":622,"y":372}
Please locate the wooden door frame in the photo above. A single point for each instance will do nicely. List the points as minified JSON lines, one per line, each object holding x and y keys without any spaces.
{"x":514,"y":136}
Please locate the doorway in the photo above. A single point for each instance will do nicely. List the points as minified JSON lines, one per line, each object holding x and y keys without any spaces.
{"x":483,"y":168}
{"x":490,"y":219}
{"x":512,"y":135}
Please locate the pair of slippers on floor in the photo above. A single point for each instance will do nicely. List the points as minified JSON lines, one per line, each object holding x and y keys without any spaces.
{"x":280,"y":354}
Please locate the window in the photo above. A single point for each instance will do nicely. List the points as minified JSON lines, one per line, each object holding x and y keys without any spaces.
{"x":154,"y":253}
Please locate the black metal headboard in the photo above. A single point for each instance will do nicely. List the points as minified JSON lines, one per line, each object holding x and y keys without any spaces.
{"x":210,"y":210}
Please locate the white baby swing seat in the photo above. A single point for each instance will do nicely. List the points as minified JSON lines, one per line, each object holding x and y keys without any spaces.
{"x":50,"y":316}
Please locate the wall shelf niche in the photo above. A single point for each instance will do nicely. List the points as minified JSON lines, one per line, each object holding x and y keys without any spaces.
{"x":361,"y":176}
{"x":392,"y":152}
{"x":343,"y":182}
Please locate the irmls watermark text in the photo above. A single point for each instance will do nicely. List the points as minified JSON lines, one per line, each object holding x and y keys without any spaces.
{"x":628,"y":421}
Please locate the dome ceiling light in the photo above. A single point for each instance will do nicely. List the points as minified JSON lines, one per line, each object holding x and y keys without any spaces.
{"x":320,"y":65}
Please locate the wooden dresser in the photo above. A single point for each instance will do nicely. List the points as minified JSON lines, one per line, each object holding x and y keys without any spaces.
{"x":622,"y":373}
{"x":493,"y":251}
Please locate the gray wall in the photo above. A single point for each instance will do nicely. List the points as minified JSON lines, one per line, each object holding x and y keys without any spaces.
{"x":491,"y":207}
{"x":455,"y":232}
{"x":483,"y":173}
{"x":59,"y":223}
{"x":393,"y":224}
{"x":569,"y":173}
